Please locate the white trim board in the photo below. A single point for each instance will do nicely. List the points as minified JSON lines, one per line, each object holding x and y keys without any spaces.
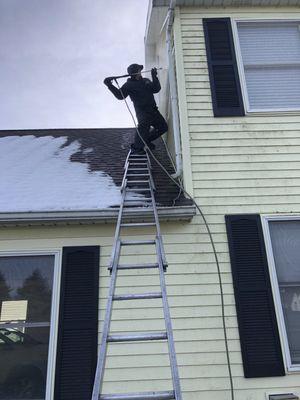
{"x":275,"y":287}
{"x":241,"y":70}
{"x":57,"y":253}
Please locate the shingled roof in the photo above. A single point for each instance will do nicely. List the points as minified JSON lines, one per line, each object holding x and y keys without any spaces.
{"x":105,"y":150}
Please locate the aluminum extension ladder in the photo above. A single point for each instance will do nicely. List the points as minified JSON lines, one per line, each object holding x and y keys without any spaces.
{"x":137,"y":178}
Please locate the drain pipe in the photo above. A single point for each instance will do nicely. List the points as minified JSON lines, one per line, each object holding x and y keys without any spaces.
{"x":173,"y":90}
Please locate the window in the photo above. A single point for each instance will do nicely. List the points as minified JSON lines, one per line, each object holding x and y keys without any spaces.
{"x":269,"y":53}
{"x":26,"y":289}
{"x":284,"y":258}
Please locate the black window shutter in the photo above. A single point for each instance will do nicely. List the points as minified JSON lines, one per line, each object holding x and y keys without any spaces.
{"x":222,"y":66}
{"x":259,"y":337}
{"x":78,"y":324}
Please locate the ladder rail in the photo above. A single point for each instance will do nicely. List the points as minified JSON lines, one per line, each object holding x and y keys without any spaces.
{"x":118,"y":228}
{"x":167,"y":316}
{"x":127,"y":158}
{"x":161,"y":247}
{"x":150,"y":172}
{"x":124,"y":178}
{"x":126,"y":165}
{"x":115,"y":255}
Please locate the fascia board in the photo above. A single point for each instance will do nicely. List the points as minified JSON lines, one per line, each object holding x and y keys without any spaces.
{"x":227,"y":3}
{"x":91,"y":216}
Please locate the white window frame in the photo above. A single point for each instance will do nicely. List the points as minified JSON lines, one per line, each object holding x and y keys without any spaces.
{"x":234,"y":22}
{"x":265,"y":219}
{"x":57,"y":253}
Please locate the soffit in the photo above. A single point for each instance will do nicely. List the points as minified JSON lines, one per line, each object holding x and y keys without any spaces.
{"x":227,"y":3}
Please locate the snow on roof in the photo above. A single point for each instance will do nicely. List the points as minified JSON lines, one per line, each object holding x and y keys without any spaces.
{"x":36,"y":174}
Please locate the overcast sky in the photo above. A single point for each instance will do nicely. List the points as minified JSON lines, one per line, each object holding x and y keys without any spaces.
{"x":54,"y":55}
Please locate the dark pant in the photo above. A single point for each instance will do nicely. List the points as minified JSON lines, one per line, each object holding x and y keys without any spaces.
{"x":146,"y":119}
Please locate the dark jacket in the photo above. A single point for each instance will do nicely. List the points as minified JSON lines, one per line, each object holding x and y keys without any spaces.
{"x":140,"y":92}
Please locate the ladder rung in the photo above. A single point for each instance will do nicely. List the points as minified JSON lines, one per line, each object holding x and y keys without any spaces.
{"x":138,"y":205}
{"x":137,"y":266}
{"x":166,"y":395}
{"x":139,"y":200}
{"x":138,"y":190}
{"x":134,"y":242}
{"x":134,"y":224}
{"x":138,"y":163}
{"x":137,"y":169}
{"x":136,"y":182}
{"x":135,"y":175}
{"x":135,"y":337}
{"x":154,"y":295}
{"x":141,"y":164}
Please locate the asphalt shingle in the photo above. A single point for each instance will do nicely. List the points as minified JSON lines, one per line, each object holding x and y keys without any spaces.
{"x":106,"y":150}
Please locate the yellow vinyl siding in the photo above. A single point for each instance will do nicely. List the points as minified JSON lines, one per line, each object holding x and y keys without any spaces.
{"x":239,"y":165}
{"x":194,"y":304}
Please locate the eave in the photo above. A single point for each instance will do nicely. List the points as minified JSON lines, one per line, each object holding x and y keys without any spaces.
{"x":181,"y":213}
{"x":226,"y":3}
{"x":158,"y":9}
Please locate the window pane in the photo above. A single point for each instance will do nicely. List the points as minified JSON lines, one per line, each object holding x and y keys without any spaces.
{"x":25,"y":309}
{"x":273,"y":88}
{"x":290,"y":298}
{"x":269,"y":42}
{"x":285,"y":238}
{"x":23,"y":355}
{"x":271,"y":58}
{"x":26,"y":288}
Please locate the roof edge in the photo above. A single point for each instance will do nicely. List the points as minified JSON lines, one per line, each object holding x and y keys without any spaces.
{"x":180,"y":213}
{"x":225,"y":3}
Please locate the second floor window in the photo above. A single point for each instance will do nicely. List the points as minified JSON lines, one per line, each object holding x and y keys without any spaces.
{"x":270,"y":64}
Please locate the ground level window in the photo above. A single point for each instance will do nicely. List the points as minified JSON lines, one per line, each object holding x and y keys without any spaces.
{"x":25,"y":306}
{"x":285,"y":250}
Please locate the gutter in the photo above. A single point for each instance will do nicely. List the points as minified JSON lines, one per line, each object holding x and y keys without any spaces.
{"x":180,"y":213}
{"x":173,"y":90}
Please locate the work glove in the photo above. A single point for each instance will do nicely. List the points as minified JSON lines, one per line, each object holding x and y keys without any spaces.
{"x":108,"y":81}
{"x":154,"y":73}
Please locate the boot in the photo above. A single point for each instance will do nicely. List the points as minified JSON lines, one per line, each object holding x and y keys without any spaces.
{"x":134,"y":150}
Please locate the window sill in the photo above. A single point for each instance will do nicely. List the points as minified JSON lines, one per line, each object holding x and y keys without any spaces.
{"x":272,"y":113}
{"x":293,"y":370}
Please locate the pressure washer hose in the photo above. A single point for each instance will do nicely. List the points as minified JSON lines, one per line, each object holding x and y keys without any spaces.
{"x":208,"y":231}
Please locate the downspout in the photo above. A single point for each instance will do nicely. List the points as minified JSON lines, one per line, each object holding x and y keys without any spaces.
{"x":173,"y":90}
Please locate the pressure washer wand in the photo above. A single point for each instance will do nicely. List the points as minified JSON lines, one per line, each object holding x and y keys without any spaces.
{"x":127,"y":75}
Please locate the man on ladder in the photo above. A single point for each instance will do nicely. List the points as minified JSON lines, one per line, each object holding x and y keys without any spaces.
{"x":151,"y":124}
